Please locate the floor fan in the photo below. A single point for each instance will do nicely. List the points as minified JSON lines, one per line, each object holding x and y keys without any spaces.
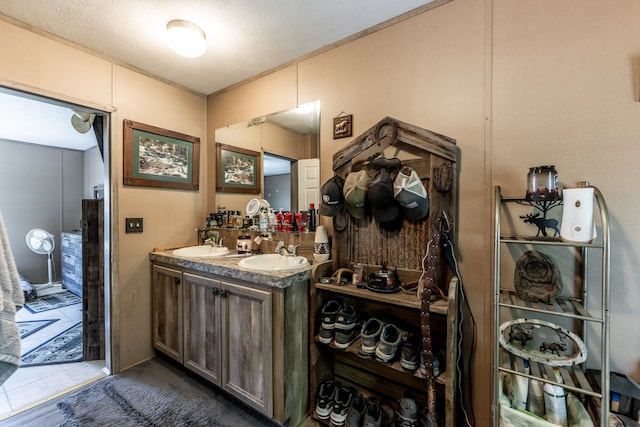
{"x":42,"y":242}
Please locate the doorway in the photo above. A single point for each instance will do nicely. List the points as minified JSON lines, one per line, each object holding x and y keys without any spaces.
{"x":44,"y":183}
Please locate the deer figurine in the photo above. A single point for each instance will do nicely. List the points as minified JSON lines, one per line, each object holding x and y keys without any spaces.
{"x":542,"y":224}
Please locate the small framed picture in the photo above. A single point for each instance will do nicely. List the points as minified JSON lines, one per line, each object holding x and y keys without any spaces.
{"x":343,"y":126}
{"x":238,"y":170}
{"x":156,"y":157}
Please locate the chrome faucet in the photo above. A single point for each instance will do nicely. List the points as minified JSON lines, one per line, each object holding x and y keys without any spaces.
{"x":286,"y":250}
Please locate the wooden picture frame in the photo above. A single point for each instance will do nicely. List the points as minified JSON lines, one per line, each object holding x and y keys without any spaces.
{"x":156,"y":157}
{"x":238,"y":170}
{"x":343,"y":126}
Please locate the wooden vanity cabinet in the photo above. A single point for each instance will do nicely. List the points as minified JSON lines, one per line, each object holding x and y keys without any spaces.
{"x":244,"y":338}
{"x":167,"y":312}
{"x":227,"y":338}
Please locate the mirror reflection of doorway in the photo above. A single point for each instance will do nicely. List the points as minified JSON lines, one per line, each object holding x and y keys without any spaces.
{"x":277,"y":181}
{"x":291,"y":185}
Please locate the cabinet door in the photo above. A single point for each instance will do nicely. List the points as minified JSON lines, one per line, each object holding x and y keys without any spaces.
{"x":202,"y":333}
{"x":247,"y":334}
{"x":167,"y":311}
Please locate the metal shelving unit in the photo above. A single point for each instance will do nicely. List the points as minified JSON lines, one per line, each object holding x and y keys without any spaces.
{"x":575,"y":308}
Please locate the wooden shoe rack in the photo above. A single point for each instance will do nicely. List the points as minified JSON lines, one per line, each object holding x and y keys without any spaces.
{"x":363,"y":241}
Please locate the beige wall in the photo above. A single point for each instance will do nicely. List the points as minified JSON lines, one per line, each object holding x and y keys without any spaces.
{"x":34,"y":63}
{"x":517,"y":84}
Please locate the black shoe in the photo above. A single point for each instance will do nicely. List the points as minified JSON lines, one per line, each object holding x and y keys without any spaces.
{"x":346,"y":319}
{"x":373,"y":415}
{"x":344,"y":339}
{"x":356,"y":411}
{"x":328,"y":319}
{"x":410,"y":352}
{"x":342,"y":402}
{"x":325,"y":399}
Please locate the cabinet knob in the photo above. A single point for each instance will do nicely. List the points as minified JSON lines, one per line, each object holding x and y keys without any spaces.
{"x":176,"y":280}
{"x":223,"y":293}
{"x":214,"y":291}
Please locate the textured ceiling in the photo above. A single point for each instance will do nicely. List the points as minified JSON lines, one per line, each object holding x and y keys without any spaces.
{"x":244,"y":37}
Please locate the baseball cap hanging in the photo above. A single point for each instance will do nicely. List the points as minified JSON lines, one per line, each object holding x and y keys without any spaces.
{"x":332,"y":197}
{"x":384,"y":207}
{"x":411,"y":194}
{"x":355,"y":193}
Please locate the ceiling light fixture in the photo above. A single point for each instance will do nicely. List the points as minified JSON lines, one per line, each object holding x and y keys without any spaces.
{"x":186,"y":38}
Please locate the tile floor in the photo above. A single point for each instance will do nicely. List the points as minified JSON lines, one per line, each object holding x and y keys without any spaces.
{"x":32,"y":385}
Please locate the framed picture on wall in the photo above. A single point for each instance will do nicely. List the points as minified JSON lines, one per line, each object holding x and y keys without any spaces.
{"x":156,"y":157}
{"x":238,"y":170}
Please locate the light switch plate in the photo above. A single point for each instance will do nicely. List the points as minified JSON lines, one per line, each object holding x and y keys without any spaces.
{"x":133,"y":225}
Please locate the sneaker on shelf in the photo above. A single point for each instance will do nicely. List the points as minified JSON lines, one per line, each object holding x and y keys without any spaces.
{"x":327,"y":320}
{"x":355,"y":414}
{"x":378,"y":414}
{"x":325,"y":336}
{"x":325,"y":399}
{"x":410,"y":352}
{"x":437,"y":358}
{"x":407,"y":413}
{"x":390,"y":339}
{"x":342,"y":402}
{"x":370,"y":333}
{"x":347,"y":318}
{"x":344,"y":339}
{"x":373,"y":415}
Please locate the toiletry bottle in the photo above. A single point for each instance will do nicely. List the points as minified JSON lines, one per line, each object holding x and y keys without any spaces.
{"x":312,"y":218}
{"x":521,"y":388}
{"x":263,"y":220}
{"x":279,"y":220}
{"x":223,"y":214}
{"x":535,"y":403}
{"x":271,"y":221}
{"x":555,"y":403}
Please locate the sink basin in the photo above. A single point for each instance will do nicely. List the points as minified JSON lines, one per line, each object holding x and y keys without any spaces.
{"x":273,"y":262}
{"x":204,"y":251}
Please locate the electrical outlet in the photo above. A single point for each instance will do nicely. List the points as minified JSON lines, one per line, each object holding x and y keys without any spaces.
{"x":133,"y":225}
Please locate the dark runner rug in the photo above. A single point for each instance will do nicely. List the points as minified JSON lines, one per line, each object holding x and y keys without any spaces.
{"x":66,"y":347}
{"x":155,"y":394}
{"x":53,"y":301}
{"x":28,"y":327}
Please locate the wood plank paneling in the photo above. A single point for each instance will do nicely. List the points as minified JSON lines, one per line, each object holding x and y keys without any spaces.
{"x":93,"y":338}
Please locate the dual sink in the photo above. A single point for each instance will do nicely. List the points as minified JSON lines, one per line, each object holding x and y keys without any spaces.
{"x":266,"y":262}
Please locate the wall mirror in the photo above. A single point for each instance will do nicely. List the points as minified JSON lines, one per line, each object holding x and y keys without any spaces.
{"x":289,"y":142}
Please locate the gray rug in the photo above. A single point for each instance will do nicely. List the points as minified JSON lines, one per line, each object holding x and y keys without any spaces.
{"x":28,"y":327}
{"x":66,"y":347}
{"x":154,"y":394}
{"x":53,"y":301}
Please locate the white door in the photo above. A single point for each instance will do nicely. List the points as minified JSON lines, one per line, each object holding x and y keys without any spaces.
{"x":308,"y":183}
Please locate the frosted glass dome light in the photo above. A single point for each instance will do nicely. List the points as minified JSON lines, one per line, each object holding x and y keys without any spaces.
{"x":186,"y":38}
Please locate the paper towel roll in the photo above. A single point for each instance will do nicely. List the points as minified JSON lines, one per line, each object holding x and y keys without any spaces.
{"x":577,"y":215}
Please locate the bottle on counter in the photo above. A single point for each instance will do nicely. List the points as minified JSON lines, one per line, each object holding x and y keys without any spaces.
{"x":271,"y":221}
{"x":263,"y":220}
{"x":239,"y":220}
{"x":279,"y":220}
{"x":312,"y":218}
